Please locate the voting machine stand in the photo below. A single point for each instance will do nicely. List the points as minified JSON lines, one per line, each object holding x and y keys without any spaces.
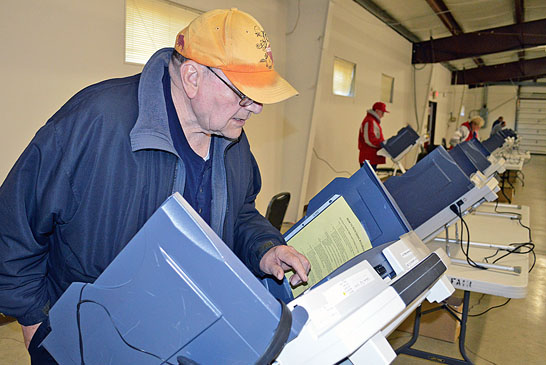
{"x":396,"y":147}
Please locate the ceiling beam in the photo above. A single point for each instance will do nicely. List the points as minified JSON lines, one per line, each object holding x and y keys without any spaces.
{"x":519,"y":13}
{"x":386,"y":18}
{"x":507,"y":38}
{"x":443,"y":12}
{"x":514,"y":71}
{"x":445,"y":16}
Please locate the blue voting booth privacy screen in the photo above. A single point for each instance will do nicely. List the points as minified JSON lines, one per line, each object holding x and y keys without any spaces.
{"x":373,"y":206}
{"x":479,"y":146}
{"x":399,"y":142}
{"x":176,"y":292}
{"x":493,"y":142}
{"x":469,"y":159}
{"x":428,"y":187}
{"x":475,"y":154}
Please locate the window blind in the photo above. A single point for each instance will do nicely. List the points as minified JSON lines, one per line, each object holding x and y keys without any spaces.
{"x":151,"y":25}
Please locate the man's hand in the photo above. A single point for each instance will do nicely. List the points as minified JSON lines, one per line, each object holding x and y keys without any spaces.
{"x":28,"y":332}
{"x":283,"y":258}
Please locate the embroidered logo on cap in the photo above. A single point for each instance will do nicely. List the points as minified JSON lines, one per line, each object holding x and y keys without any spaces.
{"x":264,"y":45}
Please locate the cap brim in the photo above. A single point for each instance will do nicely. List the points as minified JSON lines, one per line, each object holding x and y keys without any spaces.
{"x":263,"y":87}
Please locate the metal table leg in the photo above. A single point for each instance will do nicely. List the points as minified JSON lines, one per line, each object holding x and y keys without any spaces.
{"x":406,"y":349}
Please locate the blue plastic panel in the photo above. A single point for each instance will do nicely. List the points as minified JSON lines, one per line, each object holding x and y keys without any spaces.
{"x":474,"y":161}
{"x":475,"y":154}
{"x":175,"y":290}
{"x":493,"y":142}
{"x":507,"y":132}
{"x":369,"y":200}
{"x":479,"y":146}
{"x":402,"y":140}
{"x":428,"y":187}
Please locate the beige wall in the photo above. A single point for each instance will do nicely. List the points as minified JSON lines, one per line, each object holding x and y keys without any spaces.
{"x":357,"y":36}
{"x":55,"y":48}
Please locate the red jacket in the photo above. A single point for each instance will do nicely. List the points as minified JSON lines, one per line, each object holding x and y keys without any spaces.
{"x":462,"y":134}
{"x":370,"y":137}
{"x":471,"y":135}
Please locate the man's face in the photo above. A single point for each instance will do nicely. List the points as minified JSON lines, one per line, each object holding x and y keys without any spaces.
{"x":380,"y":113}
{"x":219,"y":111}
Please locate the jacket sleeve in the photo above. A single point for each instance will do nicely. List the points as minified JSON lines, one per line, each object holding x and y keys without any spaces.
{"x":460,"y":135}
{"x":30,"y":201}
{"x":253,"y":232}
{"x":374,"y":135}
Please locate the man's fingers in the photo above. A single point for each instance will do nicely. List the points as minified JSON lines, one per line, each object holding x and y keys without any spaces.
{"x":295,"y":280}
{"x":280,"y":273}
{"x":283,"y":258}
{"x":293,"y":259}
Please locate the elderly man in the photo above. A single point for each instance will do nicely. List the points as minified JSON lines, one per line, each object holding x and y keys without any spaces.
{"x":101,"y":166}
{"x":467,"y":131}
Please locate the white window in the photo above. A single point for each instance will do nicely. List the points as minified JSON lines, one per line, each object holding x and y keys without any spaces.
{"x":387,"y":88}
{"x":344,"y":77}
{"x":151,"y":25}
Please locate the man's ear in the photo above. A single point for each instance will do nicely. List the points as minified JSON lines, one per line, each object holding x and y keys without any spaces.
{"x":191,"y":76}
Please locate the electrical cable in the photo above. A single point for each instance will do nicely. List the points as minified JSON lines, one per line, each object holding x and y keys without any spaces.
{"x":481,"y":357}
{"x":80,"y":337}
{"x":530,"y":246}
{"x":485,"y":311}
{"x":329,"y":165}
{"x":297,"y":20}
{"x":457,"y":209}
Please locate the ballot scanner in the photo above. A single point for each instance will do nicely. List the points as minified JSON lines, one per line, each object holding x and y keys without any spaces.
{"x":176,"y":294}
{"x":433,"y":192}
{"x":399,"y":145}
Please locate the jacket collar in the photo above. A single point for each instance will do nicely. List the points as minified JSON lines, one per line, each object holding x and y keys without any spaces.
{"x":151,"y":130}
{"x":374,"y":115}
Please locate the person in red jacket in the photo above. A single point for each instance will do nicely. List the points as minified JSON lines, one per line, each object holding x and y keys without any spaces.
{"x":467,"y":131}
{"x":370,"y":136}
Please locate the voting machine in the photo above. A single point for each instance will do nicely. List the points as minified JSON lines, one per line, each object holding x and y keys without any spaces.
{"x":176,"y":294}
{"x":433,"y":192}
{"x":397,"y":146}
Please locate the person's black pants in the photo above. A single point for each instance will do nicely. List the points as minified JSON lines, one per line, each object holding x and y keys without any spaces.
{"x":374,"y":167}
{"x":38,"y":354}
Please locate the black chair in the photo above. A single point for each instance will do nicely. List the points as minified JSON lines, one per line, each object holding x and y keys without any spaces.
{"x":277,"y":209}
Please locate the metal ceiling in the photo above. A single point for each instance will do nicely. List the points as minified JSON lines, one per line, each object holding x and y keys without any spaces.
{"x":481,"y":41}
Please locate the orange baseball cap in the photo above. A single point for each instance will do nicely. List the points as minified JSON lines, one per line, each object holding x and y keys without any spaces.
{"x":234,"y":42}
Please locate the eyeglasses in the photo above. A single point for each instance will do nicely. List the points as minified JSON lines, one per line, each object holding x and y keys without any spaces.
{"x":245,"y":100}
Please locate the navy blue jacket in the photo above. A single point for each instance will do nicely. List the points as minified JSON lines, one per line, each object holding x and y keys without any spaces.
{"x":93,"y":175}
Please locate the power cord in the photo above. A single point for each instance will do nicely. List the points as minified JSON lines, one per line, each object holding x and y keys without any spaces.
{"x":485,"y":311}
{"x":518,"y":246}
{"x":80,"y":337}
{"x":456,"y":208}
{"x":329,"y":165}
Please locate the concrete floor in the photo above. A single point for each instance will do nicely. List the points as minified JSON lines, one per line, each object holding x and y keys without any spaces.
{"x":513,"y":334}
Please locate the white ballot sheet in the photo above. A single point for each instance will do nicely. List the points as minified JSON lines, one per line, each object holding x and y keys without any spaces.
{"x":332,"y":238}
